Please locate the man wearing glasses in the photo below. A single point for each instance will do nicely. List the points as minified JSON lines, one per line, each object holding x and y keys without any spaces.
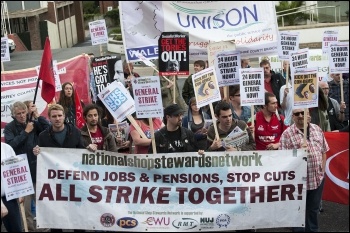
{"x":317,"y":146}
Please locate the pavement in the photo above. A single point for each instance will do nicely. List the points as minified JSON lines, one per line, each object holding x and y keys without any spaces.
{"x":335,"y":217}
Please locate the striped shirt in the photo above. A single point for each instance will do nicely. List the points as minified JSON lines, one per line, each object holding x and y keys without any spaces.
{"x":292,"y":138}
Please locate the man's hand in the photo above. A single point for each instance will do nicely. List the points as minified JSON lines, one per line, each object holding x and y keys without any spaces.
{"x":92,"y":147}
{"x":216,"y":144}
{"x":286,"y":91}
{"x":272,"y":146}
{"x":36,"y":150}
{"x":230,"y":148}
{"x":4,"y":210}
{"x":29,"y":127}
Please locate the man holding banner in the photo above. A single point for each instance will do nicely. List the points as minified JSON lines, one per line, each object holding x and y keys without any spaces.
{"x":317,"y":146}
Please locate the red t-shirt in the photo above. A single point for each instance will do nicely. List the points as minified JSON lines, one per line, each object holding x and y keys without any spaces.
{"x":97,"y":138}
{"x":157,"y":123}
{"x":268,"y":132}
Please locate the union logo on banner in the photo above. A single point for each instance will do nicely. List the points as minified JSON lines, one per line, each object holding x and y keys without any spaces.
{"x":336,"y":188}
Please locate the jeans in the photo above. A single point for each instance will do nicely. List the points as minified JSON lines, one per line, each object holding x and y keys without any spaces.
{"x":313,"y":199}
{"x":12,"y":221}
{"x":28,"y":211}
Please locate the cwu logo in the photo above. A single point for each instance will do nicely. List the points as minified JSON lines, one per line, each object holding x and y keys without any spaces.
{"x":185,"y":223}
{"x":152,"y":221}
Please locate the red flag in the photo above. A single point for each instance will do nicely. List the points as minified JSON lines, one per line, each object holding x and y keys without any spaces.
{"x":79,"y":120}
{"x":48,"y":88}
{"x":336,"y":186}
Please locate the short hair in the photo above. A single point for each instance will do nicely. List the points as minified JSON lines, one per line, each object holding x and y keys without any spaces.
{"x":56,"y":107}
{"x":268,"y":95}
{"x":89,"y":107}
{"x":265,"y":62}
{"x":233,"y":90}
{"x":201,"y":63}
{"x":19,"y":105}
{"x":192,"y":101}
{"x":221,"y":105}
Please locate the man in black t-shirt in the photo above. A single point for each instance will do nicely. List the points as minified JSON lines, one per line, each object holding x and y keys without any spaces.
{"x":173,"y":138}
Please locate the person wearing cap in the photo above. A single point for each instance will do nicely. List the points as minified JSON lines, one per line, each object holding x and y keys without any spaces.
{"x":174,"y":138}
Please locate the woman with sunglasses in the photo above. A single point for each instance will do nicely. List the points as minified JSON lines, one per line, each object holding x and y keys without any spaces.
{"x":238,"y":112}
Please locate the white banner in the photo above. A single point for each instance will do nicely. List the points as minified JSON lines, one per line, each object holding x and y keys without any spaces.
{"x":117,"y":100}
{"x":5,"y":52}
{"x":252,"y":86}
{"x":338,"y":54}
{"x":219,"y":191}
{"x":288,"y":42}
{"x":227,"y":65}
{"x":148,"y":97}
{"x":329,"y":36}
{"x":16,"y":177}
{"x":98,"y":32}
{"x":251,"y":24}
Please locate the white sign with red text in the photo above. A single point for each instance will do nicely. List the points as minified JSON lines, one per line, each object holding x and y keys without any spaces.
{"x":98,"y":32}
{"x":16,"y":178}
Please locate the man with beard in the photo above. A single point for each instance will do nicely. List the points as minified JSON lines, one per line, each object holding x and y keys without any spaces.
{"x":174,"y":138}
{"x":94,"y":135}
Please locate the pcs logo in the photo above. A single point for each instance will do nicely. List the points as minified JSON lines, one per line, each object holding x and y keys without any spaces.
{"x":127,"y":222}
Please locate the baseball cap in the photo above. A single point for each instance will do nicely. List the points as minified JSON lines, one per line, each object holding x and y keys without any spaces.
{"x":173,"y":110}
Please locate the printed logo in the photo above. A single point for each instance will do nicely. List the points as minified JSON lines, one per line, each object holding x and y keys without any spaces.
{"x":157,"y":221}
{"x":223,"y":220}
{"x":261,"y":128}
{"x":206,"y":223}
{"x":185,"y":223}
{"x":274,"y":127}
{"x":127,"y":222}
{"x":107,"y":220}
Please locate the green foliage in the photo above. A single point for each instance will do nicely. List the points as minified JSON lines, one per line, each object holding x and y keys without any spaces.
{"x":114,"y":16}
{"x":116,"y":30}
{"x":91,"y":7}
{"x":292,"y":19}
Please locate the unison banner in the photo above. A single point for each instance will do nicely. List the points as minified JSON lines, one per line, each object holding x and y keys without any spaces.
{"x":251,"y":25}
{"x":336,"y":188}
{"x":19,"y":85}
{"x":77,"y":189}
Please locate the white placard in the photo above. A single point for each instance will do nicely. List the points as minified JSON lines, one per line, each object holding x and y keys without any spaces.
{"x":16,"y":177}
{"x":288,"y":42}
{"x":299,"y":59}
{"x":5,"y":53}
{"x":206,"y":87}
{"x":117,"y":100}
{"x":329,"y":36}
{"x":305,"y":88}
{"x":338,"y":54}
{"x":147,"y":96}
{"x":98,"y":32}
{"x":227,"y":64}
{"x":252,"y":86}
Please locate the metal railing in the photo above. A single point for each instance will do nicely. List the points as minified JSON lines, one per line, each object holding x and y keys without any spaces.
{"x":312,"y":9}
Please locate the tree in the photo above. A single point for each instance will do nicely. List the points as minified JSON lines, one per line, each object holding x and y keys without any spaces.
{"x":292,"y":19}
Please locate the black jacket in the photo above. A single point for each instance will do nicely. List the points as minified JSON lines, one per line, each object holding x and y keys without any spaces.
{"x":22,"y":142}
{"x":277,"y":81}
{"x":163,"y":145}
{"x":73,"y":138}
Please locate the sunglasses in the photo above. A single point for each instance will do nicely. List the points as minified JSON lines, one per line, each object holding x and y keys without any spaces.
{"x":298,"y":113}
